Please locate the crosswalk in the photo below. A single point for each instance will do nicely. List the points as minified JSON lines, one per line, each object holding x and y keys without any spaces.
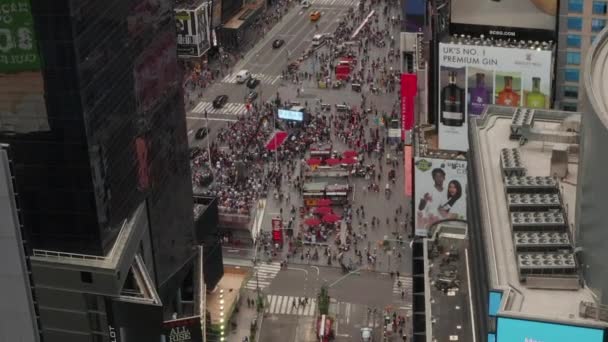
{"x":406,"y":287}
{"x":263,"y":275}
{"x":283,"y":305}
{"x":334,"y":2}
{"x":228,"y":109}
{"x":265,"y":79}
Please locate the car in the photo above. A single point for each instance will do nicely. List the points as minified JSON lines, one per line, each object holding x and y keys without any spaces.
{"x":201,"y":133}
{"x":242,"y":76}
{"x":277,"y":43}
{"x":366,"y":334}
{"x":315,"y":15}
{"x":305,"y":4}
{"x":251,"y":96}
{"x":220,"y":101}
{"x":195,"y":151}
{"x":252,"y":83}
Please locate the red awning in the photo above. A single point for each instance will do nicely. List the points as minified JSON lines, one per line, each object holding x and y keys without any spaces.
{"x":350,"y":154}
{"x":324,"y":202}
{"x":332,"y":161}
{"x":331,"y":218}
{"x":277,"y":140}
{"x":323,"y":210}
{"x":313,"y":161}
{"x":349,"y":161}
{"x":312,"y":222}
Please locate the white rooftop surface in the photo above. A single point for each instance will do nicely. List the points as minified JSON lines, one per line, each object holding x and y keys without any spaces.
{"x":558,"y":305}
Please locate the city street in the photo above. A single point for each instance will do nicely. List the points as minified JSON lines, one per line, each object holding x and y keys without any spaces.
{"x":303,"y":278}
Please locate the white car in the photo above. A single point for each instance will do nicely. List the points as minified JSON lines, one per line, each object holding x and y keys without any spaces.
{"x":366,"y":335}
{"x":305,"y":4}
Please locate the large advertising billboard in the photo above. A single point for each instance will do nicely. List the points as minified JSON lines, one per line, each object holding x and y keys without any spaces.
{"x":22,"y":105}
{"x":409,"y":88}
{"x":183,"y":330}
{"x":414,"y":13}
{"x":511,"y":330}
{"x":193,"y":35}
{"x":440,"y":192}
{"x":471,"y":77}
{"x":536,"y":19}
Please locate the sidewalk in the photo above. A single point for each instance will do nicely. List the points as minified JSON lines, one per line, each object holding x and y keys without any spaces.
{"x":243,"y":318}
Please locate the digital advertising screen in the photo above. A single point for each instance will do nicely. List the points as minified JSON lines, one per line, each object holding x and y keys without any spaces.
{"x":519,"y":330}
{"x":22,"y":105}
{"x":291,"y":115}
{"x":471,"y":77}
{"x":440,"y":192}
{"x":414,"y":13}
{"x":536,"y":19}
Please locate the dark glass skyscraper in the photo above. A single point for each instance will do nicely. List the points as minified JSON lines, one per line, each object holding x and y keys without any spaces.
{"x":92,"y":111}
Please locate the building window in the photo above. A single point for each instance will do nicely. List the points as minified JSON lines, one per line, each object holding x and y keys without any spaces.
{"x":575,"y":6}
{"x":575,"y":23}
{"x":574,"y":40}
{"x":571,"y":75}
{"x":86,"y":277}
{"x":571,"y":107}
{"x":592,"y":38}
{"x":573,"y":58}
{"x":597,"y":24}
{"x":571,"y":92}
{"x":599,"y":7}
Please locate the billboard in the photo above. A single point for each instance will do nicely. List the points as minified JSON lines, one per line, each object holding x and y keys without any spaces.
{"x":22,"y":105}
{"x":291,"y":115}
{"x":536,"y":19}
{"x":414,"y":13}
{"x":193,"y":35}
{"x":409,"y":88}
{"x":471,"y":77}
{"x":440,"y":189}
{"x":183,"y":330}
{"x":511,"y":330}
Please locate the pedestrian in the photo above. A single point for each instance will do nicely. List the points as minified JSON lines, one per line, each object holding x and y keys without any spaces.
{"x":402,"y":294}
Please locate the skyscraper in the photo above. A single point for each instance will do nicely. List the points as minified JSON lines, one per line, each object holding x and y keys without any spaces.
{"x":579,"y":23}
{"x":93,"y":123}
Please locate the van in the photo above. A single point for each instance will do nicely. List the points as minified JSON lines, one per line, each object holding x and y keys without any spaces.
{"x":242,"y":76}
{"x":342,"y":108}
{"x":317,"y":39}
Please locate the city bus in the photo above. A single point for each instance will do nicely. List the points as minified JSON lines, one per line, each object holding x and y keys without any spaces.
{"x":337,"y":193}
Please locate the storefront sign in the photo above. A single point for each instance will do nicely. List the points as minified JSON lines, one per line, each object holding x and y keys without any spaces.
{"x":183,"y":330}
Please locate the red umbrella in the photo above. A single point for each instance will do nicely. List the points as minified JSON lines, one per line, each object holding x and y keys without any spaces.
{"x":331,"y":218}
{"x":312,"y":221}
{"x":313,"y":161}
{"x":324,"y":202}
{"x":332,"y":161}
{"x":350,"y":154}
{"x":323,"y":210}
{"x":349,"y":161}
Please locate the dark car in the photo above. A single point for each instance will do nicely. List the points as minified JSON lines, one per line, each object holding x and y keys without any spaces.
{"x":220,"y":101}
{"x":277,"y":43}
{"x":195,"y":151}
{"x":251,"y":96}
{"x":201,"y":133}
{"x":252,"y":83}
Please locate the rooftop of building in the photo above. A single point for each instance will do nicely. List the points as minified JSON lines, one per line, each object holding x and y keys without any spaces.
{"x":529,"y":295}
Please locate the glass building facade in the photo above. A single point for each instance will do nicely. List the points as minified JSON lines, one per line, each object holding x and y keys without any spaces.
{"x":104,"y":129}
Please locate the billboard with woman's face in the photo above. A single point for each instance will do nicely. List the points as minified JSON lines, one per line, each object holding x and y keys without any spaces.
{"x":440,"y":192}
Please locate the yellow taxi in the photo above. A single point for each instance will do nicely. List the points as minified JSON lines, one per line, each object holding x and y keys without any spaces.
{"x":315,"y":15}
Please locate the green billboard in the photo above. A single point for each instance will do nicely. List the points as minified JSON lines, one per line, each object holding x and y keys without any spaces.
{"x":18,"y":49}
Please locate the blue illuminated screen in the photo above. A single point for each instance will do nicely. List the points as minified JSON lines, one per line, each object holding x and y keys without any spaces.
{"x":518,"y":330}
{"x":494,"y":303}
{"x":290,"y":115}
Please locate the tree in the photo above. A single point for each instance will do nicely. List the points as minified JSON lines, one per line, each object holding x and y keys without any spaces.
{"x":323,"y":299}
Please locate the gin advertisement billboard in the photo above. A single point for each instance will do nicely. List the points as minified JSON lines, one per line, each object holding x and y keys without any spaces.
{"x":193,"y":35}
{"x":472,"y":76}
{"x":440,"y":192}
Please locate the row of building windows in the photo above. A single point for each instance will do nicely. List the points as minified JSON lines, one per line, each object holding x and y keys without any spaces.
{"x":576,"y":24}
{"x":577,"y":6}
{"x":575,"y":40}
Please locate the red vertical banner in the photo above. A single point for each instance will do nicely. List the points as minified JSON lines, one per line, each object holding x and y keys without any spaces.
{"x":409,"y":88}
{"x":277,"y":229}
{"x":409,"y":170}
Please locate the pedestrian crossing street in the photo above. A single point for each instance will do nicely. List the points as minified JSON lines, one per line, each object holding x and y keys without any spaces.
{"x":406,"y":286}
{"x":283,"y":305}
{"x":228,"y":109}
{"x":263,"y":275}
{"x":265,"y":79}
{"x":334,"y":2}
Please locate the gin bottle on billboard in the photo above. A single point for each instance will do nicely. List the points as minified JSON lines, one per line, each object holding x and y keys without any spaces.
{"x":535,"y":99}
{"x":507,"y":97}
{"x":479,"y":95}
{"x":452,"y":103}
